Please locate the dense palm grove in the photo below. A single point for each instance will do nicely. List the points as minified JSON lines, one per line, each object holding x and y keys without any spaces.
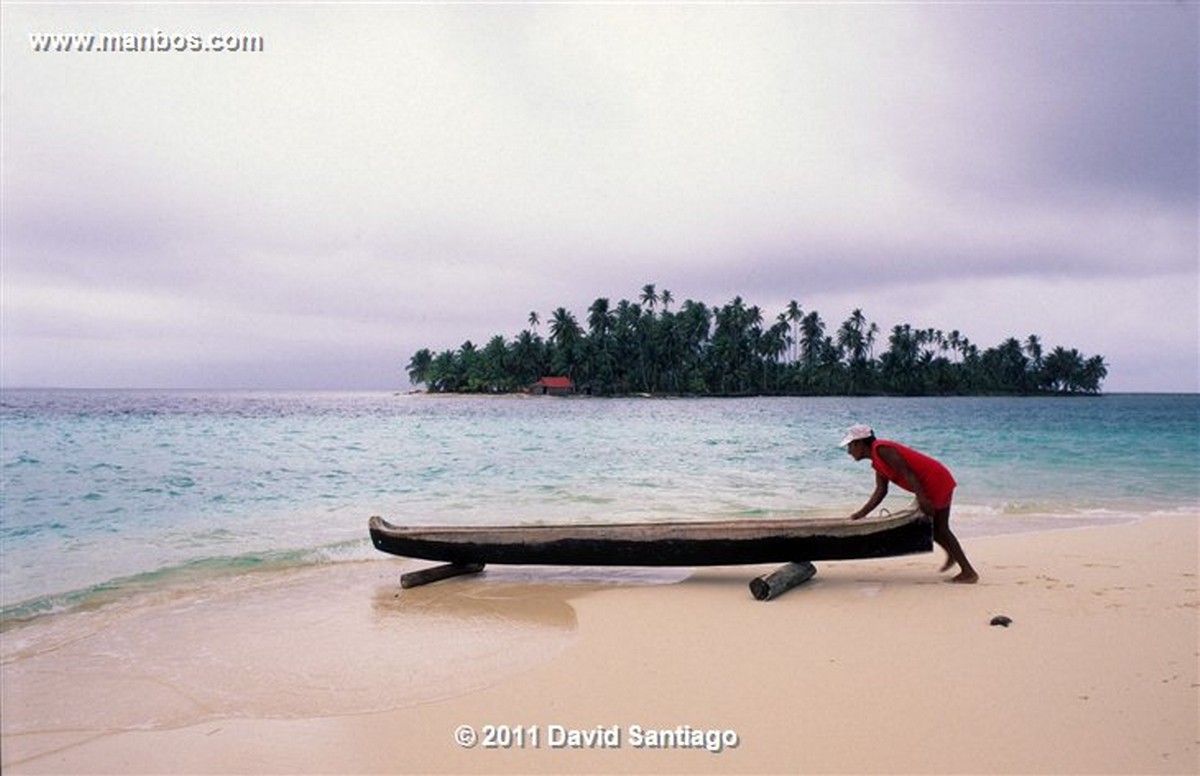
{"x":646,"y":347}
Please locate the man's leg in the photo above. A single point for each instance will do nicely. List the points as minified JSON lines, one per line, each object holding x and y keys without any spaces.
{"x":954,"y":551}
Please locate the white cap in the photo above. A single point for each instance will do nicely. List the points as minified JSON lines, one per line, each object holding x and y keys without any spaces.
{"x":857,"y":431}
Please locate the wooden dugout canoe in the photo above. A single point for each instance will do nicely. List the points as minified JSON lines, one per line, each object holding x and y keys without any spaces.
{"x":707,"y":543}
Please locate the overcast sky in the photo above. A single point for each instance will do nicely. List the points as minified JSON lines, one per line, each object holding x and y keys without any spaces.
{"x":389,"y":177}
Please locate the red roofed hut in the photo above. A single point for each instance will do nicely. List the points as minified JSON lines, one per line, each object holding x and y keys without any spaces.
{"x":552,"y":386}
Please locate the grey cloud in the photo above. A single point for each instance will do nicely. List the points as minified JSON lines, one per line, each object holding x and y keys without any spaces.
{"x":440,"y":171}
{"x":1076,"y":98}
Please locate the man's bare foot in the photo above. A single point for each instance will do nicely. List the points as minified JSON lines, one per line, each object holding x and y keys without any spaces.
{"x":949,"y":564}
{"x":965,"y":578}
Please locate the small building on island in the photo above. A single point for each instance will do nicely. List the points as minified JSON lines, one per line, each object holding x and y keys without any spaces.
{"x":552,"y":386}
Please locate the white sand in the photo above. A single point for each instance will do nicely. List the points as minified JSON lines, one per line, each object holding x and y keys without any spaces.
{"x":873,"y":667}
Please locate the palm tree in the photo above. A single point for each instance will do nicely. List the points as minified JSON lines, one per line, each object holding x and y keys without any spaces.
{"x":900,"y":365}
{"x":600,"y":318}
{"x":852,"y":337}
{"x":469,"y":362}
{"x":1064,"y":368}
{"x":812,"y":335}
{"x":445,"y":373}
{"x":1006,"y":368}
{"x":727,"y":350}
{"x":955,"y":341}
{"x":564,"y":336}
{"x":564,"y":329}
{"x":695,"y":321}
{"x":646,"y":334}
{"x":789,"y":338}
{"x":1033,"y":347}
{"x":730,"y":352}
{"x":872,"y":333}
{"x":754,"y":316}
{"x":669,"y":351}
{"x":649,"y":296}
{"x":930,"y":341}
{"x":771,"y":346}
{"x":599,"y":367}
{"x":1093,"y":373}
{"x":794,"y":315}
{"x":527,"y":359}
{"x":418,"y":366}
{"x":534,"y":320}
{"x":625,"y":343}
{"x":857,"y":339}
{"x":493,"y":368}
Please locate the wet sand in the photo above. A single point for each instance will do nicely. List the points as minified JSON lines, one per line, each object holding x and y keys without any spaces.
{"x":872,"y":667}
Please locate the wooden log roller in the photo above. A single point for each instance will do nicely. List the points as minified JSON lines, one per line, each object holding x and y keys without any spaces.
{"x":781,"y":580}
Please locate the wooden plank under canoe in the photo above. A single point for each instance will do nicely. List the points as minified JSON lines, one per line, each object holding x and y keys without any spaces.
{"x":707,"y":543}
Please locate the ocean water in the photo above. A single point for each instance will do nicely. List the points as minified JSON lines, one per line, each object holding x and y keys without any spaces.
{"x":109,"y":493}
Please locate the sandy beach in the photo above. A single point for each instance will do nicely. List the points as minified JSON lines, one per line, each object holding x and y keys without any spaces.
{"x":872,"y":667}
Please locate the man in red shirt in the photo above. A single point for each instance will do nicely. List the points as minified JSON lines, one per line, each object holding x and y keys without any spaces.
{"x":925,"y":477}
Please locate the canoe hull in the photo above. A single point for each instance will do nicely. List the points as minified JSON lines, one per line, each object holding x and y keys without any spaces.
{"x":720,"y":543}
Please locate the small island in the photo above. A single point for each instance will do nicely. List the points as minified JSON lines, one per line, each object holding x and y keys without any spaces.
{"x":646,"y":347}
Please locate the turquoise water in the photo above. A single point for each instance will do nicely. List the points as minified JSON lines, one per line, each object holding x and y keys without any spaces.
{"x":104,"y":492}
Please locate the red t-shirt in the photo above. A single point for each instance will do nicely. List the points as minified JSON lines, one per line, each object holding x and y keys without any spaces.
{"x":935,"y":479}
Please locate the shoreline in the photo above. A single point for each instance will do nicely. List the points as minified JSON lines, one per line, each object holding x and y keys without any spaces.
{"x":873,"y":666}
{"x":662,"y":395}
{"x":188,"y":574}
